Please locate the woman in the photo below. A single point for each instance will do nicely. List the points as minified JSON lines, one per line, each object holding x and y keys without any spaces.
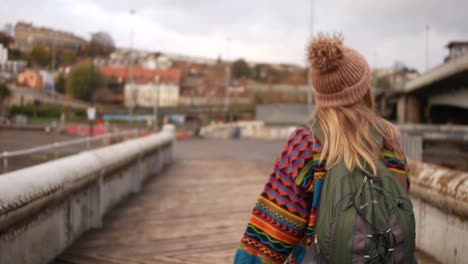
{"x":283,"y":223}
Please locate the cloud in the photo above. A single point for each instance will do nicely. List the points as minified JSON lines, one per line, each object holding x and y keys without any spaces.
{"x":261,"y":30}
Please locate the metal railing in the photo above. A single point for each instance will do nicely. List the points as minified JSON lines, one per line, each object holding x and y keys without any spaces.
{"x":413,"y":146}
{"x":57,"y":145}
{"x":452,"y":133}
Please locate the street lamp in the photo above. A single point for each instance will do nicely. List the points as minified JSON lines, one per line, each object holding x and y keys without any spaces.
{"x":228,"y":79}
{"x":156,"y":101}
{"x":54,"y":39}
{"x":427,"y":46}
{"x":309,"y":76}
{"x":132,"y":102}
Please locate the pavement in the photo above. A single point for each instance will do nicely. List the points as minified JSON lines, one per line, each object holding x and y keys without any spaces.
{"x":194,"y":212}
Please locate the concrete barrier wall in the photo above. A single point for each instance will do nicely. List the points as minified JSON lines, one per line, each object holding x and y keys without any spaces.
{"x":247,"y":129}
{"x":44,"y":208}
{"x":411,"y":142}
{"x":439,"y":195}
{"x":285,"y":114}
{"x":440,"y":200}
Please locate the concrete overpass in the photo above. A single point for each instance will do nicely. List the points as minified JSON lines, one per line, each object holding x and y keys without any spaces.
{"x":439,"y":95}
{"x":192,"y":212}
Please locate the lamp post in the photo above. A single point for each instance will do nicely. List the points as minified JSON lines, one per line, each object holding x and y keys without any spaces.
{"x":156,"y":102}
{"x":131,"y":86}
{"x":228,"y":78}
{"x":309,"y":76}
{"x":54,"y":40}
{"x":427,"y":47}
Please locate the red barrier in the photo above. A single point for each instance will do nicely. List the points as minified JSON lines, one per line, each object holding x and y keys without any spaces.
{"x":183,"y":134}
{"x":84,"y":130}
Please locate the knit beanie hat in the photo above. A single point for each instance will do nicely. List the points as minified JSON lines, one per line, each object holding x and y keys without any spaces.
{"x":340,"y":75}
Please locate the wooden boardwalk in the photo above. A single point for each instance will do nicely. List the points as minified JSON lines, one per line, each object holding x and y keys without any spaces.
{"x":195,"y":212}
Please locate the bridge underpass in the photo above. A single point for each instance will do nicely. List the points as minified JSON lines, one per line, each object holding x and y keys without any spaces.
{"x":438,"y":96}
{"x":194,"y":212}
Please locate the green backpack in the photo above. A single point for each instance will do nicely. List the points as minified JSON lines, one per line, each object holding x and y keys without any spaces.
{"x":362,"y":218}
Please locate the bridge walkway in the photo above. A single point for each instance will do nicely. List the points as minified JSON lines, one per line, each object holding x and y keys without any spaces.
{"x":195,"y":212}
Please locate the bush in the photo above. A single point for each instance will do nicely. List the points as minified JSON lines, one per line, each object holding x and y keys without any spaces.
{"x":29,"y":110}
{"x":43,"y":111}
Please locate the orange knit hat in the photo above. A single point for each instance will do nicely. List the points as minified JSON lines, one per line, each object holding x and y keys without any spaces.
{"x":340,"y":75}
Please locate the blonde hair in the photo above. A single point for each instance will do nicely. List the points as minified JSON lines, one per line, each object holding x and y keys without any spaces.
{"x":347,"y":135}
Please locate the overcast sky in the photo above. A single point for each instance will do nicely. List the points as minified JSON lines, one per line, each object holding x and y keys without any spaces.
{"x":259,"y":30}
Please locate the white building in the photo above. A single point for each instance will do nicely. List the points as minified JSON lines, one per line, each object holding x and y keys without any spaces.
{"x":151,"y":94}
{"x":3,"y":54}
{"x":156,"y":62}
{"x":145,"y":60}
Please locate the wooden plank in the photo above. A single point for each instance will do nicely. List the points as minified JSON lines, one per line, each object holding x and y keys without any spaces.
{"x":195,"y":212}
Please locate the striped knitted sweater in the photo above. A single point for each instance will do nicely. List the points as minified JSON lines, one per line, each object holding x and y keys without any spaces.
{"x":282,"y":222}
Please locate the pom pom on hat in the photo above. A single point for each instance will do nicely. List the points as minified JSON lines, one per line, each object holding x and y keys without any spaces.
{"x":325,"y":52}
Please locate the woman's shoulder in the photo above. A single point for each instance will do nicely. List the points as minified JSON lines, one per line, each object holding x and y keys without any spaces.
{"x":303,"y":136}
{"x":299,"y":151}
{"x":392,"y":150}
{"x":301,"y":145}
{"x":391,"y":137}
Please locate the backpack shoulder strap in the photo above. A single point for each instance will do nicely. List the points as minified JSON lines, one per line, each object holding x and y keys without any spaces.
{"x":315,"y":129}
{"x":318,"y":133}
{"x":378,"y":138}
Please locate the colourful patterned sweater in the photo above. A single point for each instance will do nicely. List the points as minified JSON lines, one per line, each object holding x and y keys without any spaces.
{"x":282,"y":222}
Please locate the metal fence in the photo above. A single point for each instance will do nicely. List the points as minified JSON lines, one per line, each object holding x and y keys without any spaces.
{"x":413,"y":146}
{"x":86,"y":142}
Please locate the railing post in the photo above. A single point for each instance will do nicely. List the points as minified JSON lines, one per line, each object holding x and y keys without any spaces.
{"x":96,"y":210}
{"x":87,"y":142}
{"x":55,"y":146}
{"x":5,"y":161}
{"x":137,"y":175}
{"x":170,"y":129}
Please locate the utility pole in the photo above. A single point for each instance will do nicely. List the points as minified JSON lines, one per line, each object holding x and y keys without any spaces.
{"x":156,"y":102}
{"x":53,"y":62}
{"x":131,"y":86}
{"x":228,"y":78}
{"x":427,"y":46}
{"x":309,"y":76}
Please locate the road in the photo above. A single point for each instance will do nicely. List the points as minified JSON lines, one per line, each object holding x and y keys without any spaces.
{"x":19,"y":139}
{"x":194,"y":212}
{"x":28,"y":96}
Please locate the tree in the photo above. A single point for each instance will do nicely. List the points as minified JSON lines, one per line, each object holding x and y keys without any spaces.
{"x":4,"y":94}
{"x":84,"y":80}
{"x":60,"y":83}
{"x":14,"y":54}
{"x":101,"y":44}
{"x":240,"y":69}
{"x":40,"y":56}
{"x":66,"y":58}
{"x":5,"y":40}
